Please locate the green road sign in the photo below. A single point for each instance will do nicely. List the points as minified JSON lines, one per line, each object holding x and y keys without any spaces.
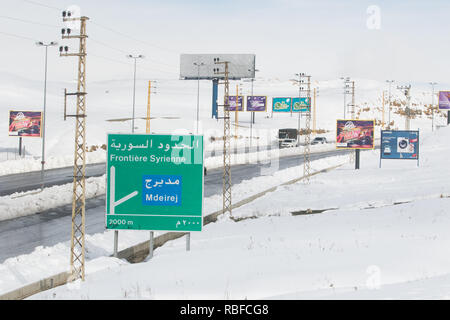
{"x":154,"y":182}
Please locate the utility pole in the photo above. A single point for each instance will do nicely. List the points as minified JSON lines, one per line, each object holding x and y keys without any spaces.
{"x":252,"y":114}
{"x":226,"y":178}
{"x":236,"y":113}
{"x":305,"y":92}
{"x":77,"y":247}
{"x":315,"y":110}
{"x":406,"y":90}
{"x":390,"y":107}
{"x":46,"y":45}
{"x":346,"y":91}
{"x":147,"y":122}
{"x":382,"y":111}
{"x":432,"y":104}
{"x":198,"y":64}
{"x":134,"y":86}
{"x":353,"y":100}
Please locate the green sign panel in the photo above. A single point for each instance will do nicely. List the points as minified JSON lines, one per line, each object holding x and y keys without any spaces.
{"x":301,"y":104}
{"x":154,"y":182}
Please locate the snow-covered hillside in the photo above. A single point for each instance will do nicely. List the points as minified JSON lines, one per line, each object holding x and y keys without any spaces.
{"x":109,"y":109}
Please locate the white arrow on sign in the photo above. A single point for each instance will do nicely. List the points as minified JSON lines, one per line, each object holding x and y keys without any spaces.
{"x":112,"y":192}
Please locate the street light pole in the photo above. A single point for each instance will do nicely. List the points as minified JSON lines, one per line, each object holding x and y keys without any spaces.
{"x":198,"y":90}
{"x":134,"y":87}
{"x":432,"y":105}
{"x":41,"y":44}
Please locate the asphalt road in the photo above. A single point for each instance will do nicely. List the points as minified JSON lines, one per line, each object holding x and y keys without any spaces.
{"x":52,"y":177}
{"x":22,"y":235}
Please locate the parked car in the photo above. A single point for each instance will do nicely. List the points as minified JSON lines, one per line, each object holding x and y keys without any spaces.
{"x":318,"y":140}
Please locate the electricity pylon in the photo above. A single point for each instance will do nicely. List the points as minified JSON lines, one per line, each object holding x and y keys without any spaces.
{"x":226,"y":178}
{"x":304,"y":90}
{"x":77,"y":247}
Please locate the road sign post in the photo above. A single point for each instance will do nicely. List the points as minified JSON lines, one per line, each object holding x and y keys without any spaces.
{"x":154,"y":182}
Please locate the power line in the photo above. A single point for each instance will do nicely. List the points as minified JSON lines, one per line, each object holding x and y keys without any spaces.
{"x":128,"y":64}
{"x":17,"y":36}
{"x":41,"y":4}
{"x":135,"y":39}
{"x":108,"y":28}
{"x":125,"y":52}
{"x":29,"y":21}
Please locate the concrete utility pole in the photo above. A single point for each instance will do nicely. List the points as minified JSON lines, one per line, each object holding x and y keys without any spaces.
{"x":382,"y":111}
{"x":252,"y":114}
{"x":147,"y":122}
{"x":46,"y":45}
{"x":389,"y":113}
{"x":77,"y":247}
{"x":198,"y":64}
{"x":406,"y":90}
{"x":226,"y":191}
{"x":316,"y":93}
{"x":346,"y":91}
{"x":134,"y":86}
{"x":353,"y":100}
{"x":432,"y":104}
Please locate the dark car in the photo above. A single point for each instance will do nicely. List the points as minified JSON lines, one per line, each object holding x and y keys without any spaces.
{"x":318,"y":140}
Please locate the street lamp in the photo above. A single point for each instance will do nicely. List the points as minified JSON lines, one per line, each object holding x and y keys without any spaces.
{"x":432,"y":105}
{"x":46,"y":45}
{"x":134,"y":86}
{"x":390,"y":83}
{"x":198,"y":64}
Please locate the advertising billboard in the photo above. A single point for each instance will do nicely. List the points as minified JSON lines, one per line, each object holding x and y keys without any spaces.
{"x":232,"y":103}
{"x":301,"y":104}
{"x":355,"y":134}
{"x":256,"y":103}
{"x":401,"y":144}
{"x":154,"y":182}
{"x":444,"y":100}
{"x":281,"y":104}
{"x":25,"y":123}
{"x":241,"y":66}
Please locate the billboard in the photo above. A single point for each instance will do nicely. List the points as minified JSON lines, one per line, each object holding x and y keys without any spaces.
{"x":25,"y":123}
{"x":444,"y":100}
{"x":241,"y":66}
{"x":154,"y":182}
{"x":301,"y":104}
{"x":232,"y":103}
{"x":355,"y":134}
{"x":401,"y":144}
{"x":256,"y":103}
{"x":281,"y":104}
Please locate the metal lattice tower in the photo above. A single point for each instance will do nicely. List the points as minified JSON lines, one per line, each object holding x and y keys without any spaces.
{"x":77,"y":248}
{"x":307,"y":151}
{"x":226,"y":178}
{"x":304,"y":91}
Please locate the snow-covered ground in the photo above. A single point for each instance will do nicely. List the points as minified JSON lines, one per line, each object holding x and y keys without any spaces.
{"x":384,"y":236}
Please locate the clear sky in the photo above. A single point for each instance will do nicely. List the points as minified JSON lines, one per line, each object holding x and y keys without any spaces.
{"x":406,"y":40}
